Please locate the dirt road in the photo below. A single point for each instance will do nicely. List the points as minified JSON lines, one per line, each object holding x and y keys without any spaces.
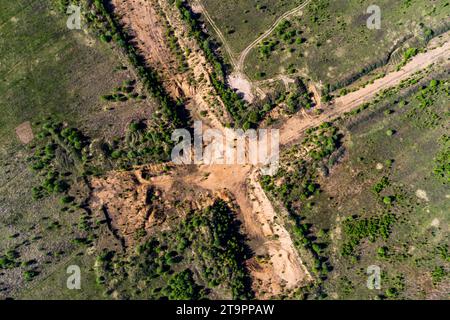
{"x":246,"y":51}
{"x":199,"y":8}
{"x":283,"y":267}
{"x":238,"y":79}
{"x":295,"y":126}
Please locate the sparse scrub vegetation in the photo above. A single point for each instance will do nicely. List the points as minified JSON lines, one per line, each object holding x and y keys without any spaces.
{"x":237,"y":108}
{"x":330,"y":40}
{"x":357,"y":229}
{"x":295,"y":185}
{"x":218,"y":252}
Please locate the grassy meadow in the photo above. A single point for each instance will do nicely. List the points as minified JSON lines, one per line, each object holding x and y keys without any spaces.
{"x":50,"y":72}
{"x":330,"y":42}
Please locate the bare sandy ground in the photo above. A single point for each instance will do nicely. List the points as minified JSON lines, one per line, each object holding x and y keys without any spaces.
{"x":284,"y":267}
{"x":198,"y":7}
{"x":242,"y":85}
{"x":143,"y":22}
{"x":283,"y":270}
{"x":24,"y":132}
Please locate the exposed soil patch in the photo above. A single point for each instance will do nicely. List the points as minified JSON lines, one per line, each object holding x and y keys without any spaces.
{"x":291,"y":129}
{"x":142,"y":201}
{"x":242,"y":85}
{"x":277,"y":266}
{"x":128,"y":203}
{"x":25,"y":133}
{"x":148,"y":22}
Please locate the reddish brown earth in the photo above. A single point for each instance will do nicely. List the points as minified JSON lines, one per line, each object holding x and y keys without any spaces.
{"x":278,"y":267}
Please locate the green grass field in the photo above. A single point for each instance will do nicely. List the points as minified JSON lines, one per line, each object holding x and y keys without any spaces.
{"x":48,"y":70}
{"x":241,"y":22}
{"x":330,"y":41}
{"x":388,"y":169}
{"x":372,"y":189}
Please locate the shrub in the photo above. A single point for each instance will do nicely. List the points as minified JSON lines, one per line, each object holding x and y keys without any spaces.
{"x":391,"y":293}
{"x":388,"y":200}
{"x":438,"y":274}
{"x":390,"y":132}
{"x":182,"y":286}
{"x":29,"y":275}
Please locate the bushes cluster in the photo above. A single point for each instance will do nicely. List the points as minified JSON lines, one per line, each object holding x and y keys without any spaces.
{"x":237,"y":108}
{"x":171,"y":113}
{"x":266,"y":48}
{"x":182,"y":286}
{"x":438,"y":274}
{"x":74,"y":138}
{"x":208,"y":241}
{"x":318,"y":11}
{"x":176,"y":49}
{"x":286,"y":33}
{"x":421,"y":113}
{"x":141,"y":144}
{"x":9,"y":260}
{"x":381,"y":185}
{"x":325,"y":140}
{"x":228,"y":250}
{"x":299,"y":97}
{"x":357,"y":229}
{"x":407,"y":55}
{"x":58,"y":142}
{"x":299,"y":185}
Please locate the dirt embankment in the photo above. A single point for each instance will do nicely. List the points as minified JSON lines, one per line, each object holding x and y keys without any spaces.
{"x":246,"y":51}
{"x":129,"y":204}
{"x":141,"y":202}
{"x":149,"y":22}
{"x":284,"y":271}
{"x":295,"y":126}
{"x":277,"y":266}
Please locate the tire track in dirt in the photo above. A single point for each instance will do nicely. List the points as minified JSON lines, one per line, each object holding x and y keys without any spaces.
{"x":199,"y":8}
{"x":246,"y":51}
{"x":297,"y":125}
{"x":238,"y":73}
{"x":285,"y":267}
